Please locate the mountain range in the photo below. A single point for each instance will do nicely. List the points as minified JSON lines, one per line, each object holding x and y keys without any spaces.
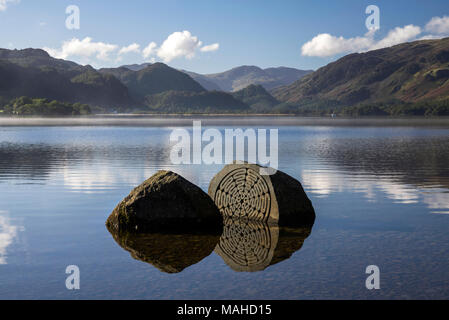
{"x":241,"y":77}
{"x":33,"y":73}
{"x":406,"y":74}
{"x":152,"y":79}
{"x":406,"y":79}
{"x":257,"y":98}
{"x":147,"y":87}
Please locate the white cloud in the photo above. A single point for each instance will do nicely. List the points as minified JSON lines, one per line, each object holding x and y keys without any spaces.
{"x":5,"y":3}
{"x":177,"y":45}
{"x":211,"y":47}
{"x":439,"y":25}
{"x":134,"y":47}
{"x":85,"y":48}
{"x":180,"y":44}
{"x":398,"y":35}
{"x":326,"y":45}
{"x":431,"y":37}
{"x":149,"y":50}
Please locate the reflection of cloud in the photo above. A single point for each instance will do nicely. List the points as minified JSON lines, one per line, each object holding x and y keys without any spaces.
{"x":320,"y":184}
{"x":438,"y":201}
{"x":97,"y":178}
{"x":94,"y":178}
{"x":5,"y":3}
{"x":398,"y":192}
{"x":324,"y":183}
{"x":8,"y":233}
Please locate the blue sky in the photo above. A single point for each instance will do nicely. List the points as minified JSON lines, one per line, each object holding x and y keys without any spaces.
{"x":245,"y":32}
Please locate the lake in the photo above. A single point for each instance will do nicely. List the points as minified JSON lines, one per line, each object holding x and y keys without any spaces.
{"x":380,"y":190}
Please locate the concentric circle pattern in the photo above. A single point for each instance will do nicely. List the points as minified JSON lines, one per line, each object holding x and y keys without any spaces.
{"x":246,"y":246}
{"x":243,"y":193}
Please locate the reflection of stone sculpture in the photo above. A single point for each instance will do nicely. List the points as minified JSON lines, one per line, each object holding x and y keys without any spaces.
{"x":247,"y":245}
{"x":170,"y":253}
{"x":250,"y":246}
{"x":166,"y":201}
{"x":172,"y":224}
{"x":257,"y":210}
{"x":239,"y":191}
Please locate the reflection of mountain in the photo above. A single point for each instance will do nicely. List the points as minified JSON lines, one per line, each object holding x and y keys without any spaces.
{"x":405,"y":169}
{"x":42,"y":161}
{"x":170,"y":253}
{"x":253,"y":245}
{"x":30,"y":161}
{"x":420,"y":161}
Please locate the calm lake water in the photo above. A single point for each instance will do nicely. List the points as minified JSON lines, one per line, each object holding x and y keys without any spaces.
{"x":380,"y":191}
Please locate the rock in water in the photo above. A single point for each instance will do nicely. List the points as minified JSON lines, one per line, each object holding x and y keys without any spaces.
{"x":241,"y":192}
{"x":166,"y":202}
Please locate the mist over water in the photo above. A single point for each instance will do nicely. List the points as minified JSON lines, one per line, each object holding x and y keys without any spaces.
{"x":380,"y":189}
{"x":221,"y":120}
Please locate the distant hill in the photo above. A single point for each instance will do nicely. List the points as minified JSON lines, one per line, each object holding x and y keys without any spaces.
{"x":257,"y":98}
{"x":241,"y":77}
{"x":407,"y":79}
{"x":195,"y":102}
{"x":33,"y":73}
{"x":25,"y":106}
{"x":167,"y":90}
{"x":136,"y":67}
{"x":152,"y":79}
{"x":204,"y":81}
{"x":407,"y":75}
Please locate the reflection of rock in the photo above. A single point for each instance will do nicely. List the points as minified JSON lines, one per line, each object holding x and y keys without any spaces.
{"x":170,"y":253}
{"x":239,"y":191}
{"x":249,"y":245}
{"x":166,"y":201}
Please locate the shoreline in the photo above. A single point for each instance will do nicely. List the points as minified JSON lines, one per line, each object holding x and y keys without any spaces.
{"x":178,"y":120}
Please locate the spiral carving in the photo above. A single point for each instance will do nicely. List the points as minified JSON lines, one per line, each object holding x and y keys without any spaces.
{"x":243,"y":193}
{"x":247,"y":246}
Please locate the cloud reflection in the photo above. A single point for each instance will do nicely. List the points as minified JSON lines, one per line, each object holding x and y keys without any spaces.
{"x":324,"y":183}
{"x":8,"y":233}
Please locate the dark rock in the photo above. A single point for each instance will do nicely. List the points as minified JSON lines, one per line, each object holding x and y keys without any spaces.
{"x":240,"y":191}
{"x":166,"y":202}
{"x":170,"y":253}
{"x":442,"y":74}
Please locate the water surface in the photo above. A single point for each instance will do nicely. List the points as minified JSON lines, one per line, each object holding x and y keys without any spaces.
{"x":380,"y":191}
